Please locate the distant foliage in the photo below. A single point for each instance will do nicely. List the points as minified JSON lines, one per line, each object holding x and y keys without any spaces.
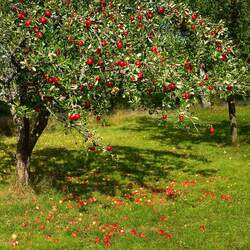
{"x":235,"y":14}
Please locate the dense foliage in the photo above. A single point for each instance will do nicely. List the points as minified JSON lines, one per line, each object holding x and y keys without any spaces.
{"x":74,"y":58}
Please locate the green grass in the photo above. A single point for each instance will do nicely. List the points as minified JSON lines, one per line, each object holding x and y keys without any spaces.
{"x":211,"y":178}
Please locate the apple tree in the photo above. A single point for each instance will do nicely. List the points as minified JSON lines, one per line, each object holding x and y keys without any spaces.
{"x":71,"y":59}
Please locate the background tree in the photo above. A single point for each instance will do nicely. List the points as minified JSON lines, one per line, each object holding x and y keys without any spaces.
{"x":235,"y":14}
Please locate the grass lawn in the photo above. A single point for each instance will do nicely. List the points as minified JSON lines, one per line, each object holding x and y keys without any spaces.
{"x":87,"y":201}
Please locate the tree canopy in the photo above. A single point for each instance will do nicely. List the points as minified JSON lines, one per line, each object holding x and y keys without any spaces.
{"x":70,"y":59}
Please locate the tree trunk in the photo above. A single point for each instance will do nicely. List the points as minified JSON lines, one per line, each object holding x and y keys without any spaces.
{"x":26,"y":141}
{"x":204,"y":102}
{"x":28,"y":129}
{"x":22,"y":152}
{"x":22,"y":169}
{"x":232,"y":119}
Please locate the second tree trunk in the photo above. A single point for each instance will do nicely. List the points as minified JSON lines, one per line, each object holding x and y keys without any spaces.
{"x":232,"y":119}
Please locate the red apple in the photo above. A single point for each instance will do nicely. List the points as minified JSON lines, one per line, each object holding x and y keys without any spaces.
{"x":109,"y":148}
{"x":21,"y":15}
{"x":43,"y":20}
{"x":193,"y":27}
{"x":223,"y":57}
{"x":171,"y":86}
{"x":109,"y":84}
{"x":90,"y":61}
{"x":39,"y":35}
{"x":132,"y":18}
{"x":186,"y":95}
{"x":100,"y":63}
{"x":211,"y":131}
{"x":97,"y":240}
{"x":74,"y":117}
{"x":37,"y":109}
{"x":140,"y":17}
{"x":161,"y":10}
{"x":98,"y":50}
{"x":74,"y":234}
{"x":125,"y":33}
{"x":150,"y":14}
{"x":132,"y":78}
{"x":210,"y":87}
{"x":98,"y":78}
{"x":119,"y":44}
{"x":28,"y":23}
{"x":122,"y":63}
{"x":205,"y":77}
{"x":229,"y":87}
{"x":219,"y":49}
{"x":194,"y":17}
{"x":138,"y":64}
{"x":14,"y":243}
{"x":155,"y":50}
{"x":140,"y":75}
{"x":164,"y":117}
{"x":54,"y":79}
{"x":81,"y":43}
{"x":88,"y":23}
{"x":104,"y":43}
{"x":36,"y":29}
{"x":181,"y":118}
{"x":47,"y":13}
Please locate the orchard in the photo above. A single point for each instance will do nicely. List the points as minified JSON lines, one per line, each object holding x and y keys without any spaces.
{"x":118,"y":125}
{"x":68,"y":59}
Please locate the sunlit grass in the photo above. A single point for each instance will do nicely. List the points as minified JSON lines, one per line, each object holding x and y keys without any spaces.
{"x":79,"y":197}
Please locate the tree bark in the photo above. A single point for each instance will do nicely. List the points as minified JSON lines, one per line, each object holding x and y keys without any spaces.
{"x":40,"y":124}
{"x":232,"y":119}
{"x":204,"y":102}
{"x":22,"y":169}
{"x":26,"y":141}
{"x":22,"y":152}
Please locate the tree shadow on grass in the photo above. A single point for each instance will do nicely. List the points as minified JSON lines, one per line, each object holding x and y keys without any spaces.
{"x":7,"y":160}
{"x":84,"y":174}
{"x":170,"y":135}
